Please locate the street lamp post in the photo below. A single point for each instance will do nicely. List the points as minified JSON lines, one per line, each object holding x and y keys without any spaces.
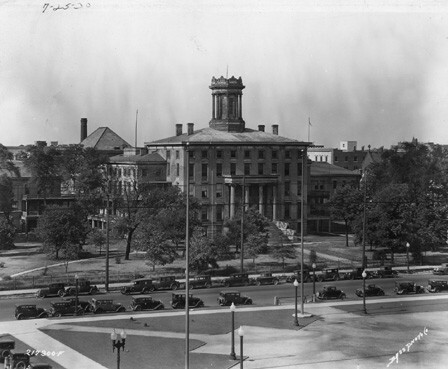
{"x":76,"y":298}
{"x":241,"y":334}
{"x":118,"y":344}
{"x":407,"y":253}
{"x":296,"y":321}
{"x":314,"y":282}
{"x":232,"y":349}
{"x":364,"y":275}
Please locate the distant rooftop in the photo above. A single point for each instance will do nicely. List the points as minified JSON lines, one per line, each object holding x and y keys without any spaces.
{"x":105,"y":139}
{"x":318,"y":168}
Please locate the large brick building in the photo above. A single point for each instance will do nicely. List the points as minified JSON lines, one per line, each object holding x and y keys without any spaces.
{"x":228,"y":165}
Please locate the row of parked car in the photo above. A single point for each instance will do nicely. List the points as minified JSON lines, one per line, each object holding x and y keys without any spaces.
{"x":75,"y":306}
{"x":401,"y":288}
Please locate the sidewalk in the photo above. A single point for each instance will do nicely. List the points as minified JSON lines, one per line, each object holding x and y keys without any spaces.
{"x":337,"y":339}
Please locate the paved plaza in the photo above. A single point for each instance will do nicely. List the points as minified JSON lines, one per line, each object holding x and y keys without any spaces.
{"x":338,"y":335}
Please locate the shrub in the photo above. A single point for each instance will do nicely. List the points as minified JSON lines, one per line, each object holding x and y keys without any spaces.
{"x":117,"y":260}
{"x":7,"y":278}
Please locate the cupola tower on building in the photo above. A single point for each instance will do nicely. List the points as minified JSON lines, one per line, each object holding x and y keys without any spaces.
{"x":227,"y":104}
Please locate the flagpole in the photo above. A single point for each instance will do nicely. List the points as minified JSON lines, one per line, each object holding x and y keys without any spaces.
{"x":136,"y":116}
{"x":309,"y":129}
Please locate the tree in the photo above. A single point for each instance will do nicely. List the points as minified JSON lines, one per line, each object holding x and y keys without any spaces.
{"x":62,"y":230}
{"x":346,"y":204}
{"x":255,"y":245}
{"x":43,"y":163}
{"x":7,"y":232}
{"x":203,"y":251}
{"x":157,"y":248}
{"x":161,"y":206}
{"x":253,"y":224}
{"x":98,"y":238}
{"x":6,"y":198}
{"x":6,"y":162}
{"x":284,"y":250}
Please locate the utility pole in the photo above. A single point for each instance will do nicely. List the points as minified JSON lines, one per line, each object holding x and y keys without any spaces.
{"x":242,"y":224}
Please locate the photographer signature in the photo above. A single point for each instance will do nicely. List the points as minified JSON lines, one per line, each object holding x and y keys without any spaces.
{"x":408,"y":346}
{"x":65,"y":7}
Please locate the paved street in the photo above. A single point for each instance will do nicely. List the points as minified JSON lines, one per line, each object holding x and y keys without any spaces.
{"x":338,"y":336}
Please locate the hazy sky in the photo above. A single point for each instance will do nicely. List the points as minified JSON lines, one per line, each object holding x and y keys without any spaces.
{"x":377,"y":74}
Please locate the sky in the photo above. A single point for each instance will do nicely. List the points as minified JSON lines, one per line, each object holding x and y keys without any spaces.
{"x":375,"y":72}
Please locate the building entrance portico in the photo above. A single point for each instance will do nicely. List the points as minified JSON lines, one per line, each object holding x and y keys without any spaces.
{"x":250,"y":191}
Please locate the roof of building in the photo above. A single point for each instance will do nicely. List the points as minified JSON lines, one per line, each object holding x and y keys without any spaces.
{"x":210,"y":135}
{"x":104,"y":139}
{"x":321,"y":168}
{"x":141,"y":159}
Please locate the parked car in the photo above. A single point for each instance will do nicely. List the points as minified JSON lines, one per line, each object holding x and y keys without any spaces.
{"x":328,"y":275}
{"x":385,"y":272}
{"x":53,"y":289}
{"x":307,"y":276}
{"x":435,"y":285}
{"x":61,"y":308}
{"x":407,"y":287}
{"x":265,"y":278}
{"x":357,"y":274}
{"x":203,"y":281}
{"x":141,"y":285}
{"x":442,"y":270}
{"x":236,"y":279}
{"x":17,"y":360}
{"x":85,"y":305}
{"x":106,"y":306}
{"x":84,"y":286}
{"x":178,"y":301}
{"x":330,"y":292}
{"x":227,"y":297}
{"x":5,"y":348}
{"x":30,"y":311}
{"x":164,"y":283}
{"x":146,"y":303}
{"x":371,"y":290}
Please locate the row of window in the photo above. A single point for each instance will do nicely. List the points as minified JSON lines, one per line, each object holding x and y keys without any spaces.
{"x":247,"y":169}
{"x":233,"y":154}
{"x":336,"y":159}
{"x":287,"y":214}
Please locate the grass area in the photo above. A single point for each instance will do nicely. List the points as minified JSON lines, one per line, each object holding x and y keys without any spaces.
{"x":27,"y":256}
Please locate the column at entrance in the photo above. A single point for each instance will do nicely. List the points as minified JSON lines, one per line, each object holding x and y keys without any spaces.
{"x":246,"y":197}
{"x":260,"y":200}
{"x":232,"y":201}
{"x":274,"y":202}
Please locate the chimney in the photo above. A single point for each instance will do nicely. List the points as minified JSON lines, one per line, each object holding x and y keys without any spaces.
{"x":261,"y":127}
{"x":178,"y":129}
{"x":190,"y":128}
{"x":275,"y":129}
{"x":83,"y":129}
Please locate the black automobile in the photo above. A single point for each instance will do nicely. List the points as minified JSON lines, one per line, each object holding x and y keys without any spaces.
{"x":330,"y":292}
{"x":30,"y":311}
{"x":202,"y":281}
{"x":178,"y":301}
{"x":328,"y":275}
{"x":141,"y":285}
{"x":227,"y":297}
{"x":357,"y":274}
{"x":408,"y":287}
{"x":307,"y":276}
{"x":236,"y":279}
{"x":61,"y":308}
{"x":84,"y":286}
{"x":442,"y":270}
{"x":53,"y":289}
{"x":435,"y":285}
{"x":85,"y":305}
{"x":265,"y":278}
{"x":165,"y":283}
{"x":385,"y":272}
{"x":146,"y":303}
{"x":371,"y":290}
{"x":99,"y":306}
